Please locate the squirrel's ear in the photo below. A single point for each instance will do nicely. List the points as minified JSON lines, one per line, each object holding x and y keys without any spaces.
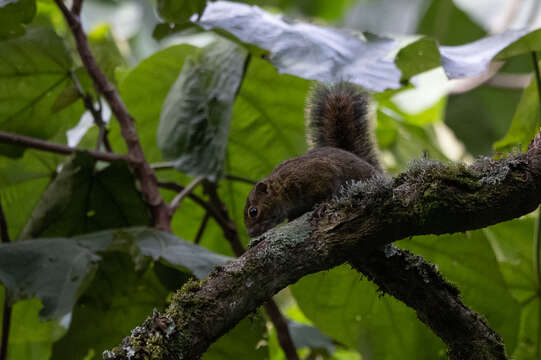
{"x":261,"y":188}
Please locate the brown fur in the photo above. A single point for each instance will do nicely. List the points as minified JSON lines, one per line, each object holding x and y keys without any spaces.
{"x":343,"y":152}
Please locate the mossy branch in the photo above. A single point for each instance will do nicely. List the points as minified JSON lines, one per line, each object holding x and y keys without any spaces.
{"x":429,"y":198}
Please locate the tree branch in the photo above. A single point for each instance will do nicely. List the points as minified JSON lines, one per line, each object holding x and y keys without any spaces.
{"x":405,"y":276}
{"x":430,"y":198}
{"x":143,"y":171}
{"x":30,"y":142}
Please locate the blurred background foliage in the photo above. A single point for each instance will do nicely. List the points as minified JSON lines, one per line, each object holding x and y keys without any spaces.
{"x":142,"y":47}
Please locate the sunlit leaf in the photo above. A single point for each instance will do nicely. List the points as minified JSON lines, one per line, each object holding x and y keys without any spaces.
{"x":306,"y":50}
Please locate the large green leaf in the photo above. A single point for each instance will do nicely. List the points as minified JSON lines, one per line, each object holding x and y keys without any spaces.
{"x":116,"y":301}
{"x":481,"y":116}
{"x":22,"y":181}
{"x":242,"y":343}
{"x":173,"y":251}
{"x":525,"y":123}
{"x":14,"y":14}
{"x":34,"y":69}
{"x":53,"y":269}
{"x":30,"y":338}
{"x":349,"y":310}
{"x":143,"y":90}
{"x":195,"y":118}
{"x":81,"y":200}
{"x":512,"y":244}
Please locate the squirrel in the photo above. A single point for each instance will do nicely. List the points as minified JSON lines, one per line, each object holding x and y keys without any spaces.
{"x":342,"y":150}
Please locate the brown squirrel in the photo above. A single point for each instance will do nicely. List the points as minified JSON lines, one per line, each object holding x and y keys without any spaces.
{"x":338,"y":131}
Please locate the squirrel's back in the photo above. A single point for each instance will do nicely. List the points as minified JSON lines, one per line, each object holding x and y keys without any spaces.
{"x":337,"y":116}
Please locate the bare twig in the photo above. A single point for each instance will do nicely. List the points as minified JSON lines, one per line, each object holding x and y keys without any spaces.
{"x":30,"y":142}
{"x":96,"y":114}
{"x":143,"y":171}
{"x":166,"y":165}
{"x":202,"y":228}
{"x":6,"y":313}
{"x":175,"y":204}
{"x":232,"y":236}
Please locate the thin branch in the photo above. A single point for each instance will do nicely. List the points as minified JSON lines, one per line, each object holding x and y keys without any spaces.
{"x":6,"y":313}
{"x":202,"y":228}
{"x":241,"y":179}
{"x":232,"y":236}
{"x":30,"y":142}
{"x":282,"y":330}
{"x":166,"y":165}
{"x":175,"y":204}
{"x":76,"y":7}
{"x":169,"y":165}
{"x":142,"y":170}
{"x":96,"y":114}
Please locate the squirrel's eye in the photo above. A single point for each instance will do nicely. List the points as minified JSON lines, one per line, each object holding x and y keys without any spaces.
{"x":252,"y":212}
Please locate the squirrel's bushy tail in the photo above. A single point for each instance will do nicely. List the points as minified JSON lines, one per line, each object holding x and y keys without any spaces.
{"x":337,"y":116}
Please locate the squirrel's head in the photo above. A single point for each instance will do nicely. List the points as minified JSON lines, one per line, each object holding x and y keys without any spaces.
{"x":261,"y":212}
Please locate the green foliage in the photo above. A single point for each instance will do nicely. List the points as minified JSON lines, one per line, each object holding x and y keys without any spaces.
{"x":176,"y":11}
{"x":82,"y":200}
{"x":525,"y":123}
{"x":34,"y":69}
{"x":195,"y":118}
{"x":210,"y":111}
{"x":14,"y":14}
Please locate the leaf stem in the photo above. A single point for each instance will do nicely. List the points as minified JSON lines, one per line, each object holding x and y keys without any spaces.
{"x":30,"y":142}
